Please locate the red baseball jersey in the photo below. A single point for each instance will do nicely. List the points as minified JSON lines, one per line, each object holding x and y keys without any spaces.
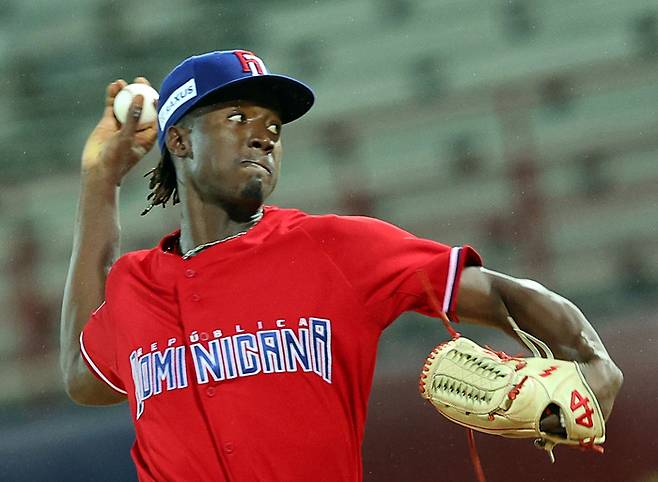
{"x":253,"y":359}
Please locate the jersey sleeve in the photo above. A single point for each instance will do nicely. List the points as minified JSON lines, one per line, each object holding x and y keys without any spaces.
{"x":383,"y":263}
{"x":98,"y":347}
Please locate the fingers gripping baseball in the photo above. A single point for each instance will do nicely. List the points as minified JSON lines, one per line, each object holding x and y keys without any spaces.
{"x":110,"y":94}
{"x":113,"y":149}
{"x":138,"y":141}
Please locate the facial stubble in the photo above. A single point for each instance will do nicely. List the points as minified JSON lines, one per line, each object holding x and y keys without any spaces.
{"x":250,"y":200}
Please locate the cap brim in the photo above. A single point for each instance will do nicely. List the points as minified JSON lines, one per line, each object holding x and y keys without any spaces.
{"x":290,"y":98}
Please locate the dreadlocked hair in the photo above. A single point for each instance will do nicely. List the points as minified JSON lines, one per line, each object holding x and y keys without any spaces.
{"x":162,"y":184}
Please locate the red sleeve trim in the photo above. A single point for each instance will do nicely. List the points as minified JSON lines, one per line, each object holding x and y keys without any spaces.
{"x":459,"y":258}
{"x":95,"y":370}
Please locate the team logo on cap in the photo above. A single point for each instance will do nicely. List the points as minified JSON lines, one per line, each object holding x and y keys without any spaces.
{"x":250,"y":62}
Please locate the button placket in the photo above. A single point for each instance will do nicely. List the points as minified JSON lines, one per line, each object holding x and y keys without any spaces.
{"x":190,"y":295}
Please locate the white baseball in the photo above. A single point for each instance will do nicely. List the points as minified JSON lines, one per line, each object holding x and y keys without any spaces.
{"x":125,"y":97}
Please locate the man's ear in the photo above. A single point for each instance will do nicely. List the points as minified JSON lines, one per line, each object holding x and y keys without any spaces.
{"x":178,"y":141}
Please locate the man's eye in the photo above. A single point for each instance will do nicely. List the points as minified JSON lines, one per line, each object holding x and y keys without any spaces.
{"x":274,"y":128}
{"x":239,"y":117}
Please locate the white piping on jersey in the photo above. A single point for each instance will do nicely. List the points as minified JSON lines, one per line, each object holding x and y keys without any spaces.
{"x":98,"y":372}
{"x":452,"y":271}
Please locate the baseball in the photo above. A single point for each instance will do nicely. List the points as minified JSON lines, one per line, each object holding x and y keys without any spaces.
{"x":124,"y":98}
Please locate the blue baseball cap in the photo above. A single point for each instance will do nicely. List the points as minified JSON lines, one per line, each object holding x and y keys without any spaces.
{"x":227,"y":75}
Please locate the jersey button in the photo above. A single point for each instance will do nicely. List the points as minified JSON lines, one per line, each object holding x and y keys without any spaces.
{"x":190,"y":273}
{"x":195,"y":297}
{"x":228,"y":448}
{"x":210,"y":391}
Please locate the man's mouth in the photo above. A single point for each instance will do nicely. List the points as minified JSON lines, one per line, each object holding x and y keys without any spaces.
{"x":258,"y":164}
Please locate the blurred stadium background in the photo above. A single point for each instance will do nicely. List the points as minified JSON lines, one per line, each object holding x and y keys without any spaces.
{"x":527,"y":129}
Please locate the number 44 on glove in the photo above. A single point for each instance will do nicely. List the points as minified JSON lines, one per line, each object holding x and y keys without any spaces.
{"x":492,"y":392}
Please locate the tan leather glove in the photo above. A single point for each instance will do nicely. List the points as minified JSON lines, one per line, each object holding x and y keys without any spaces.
{"x":494,"y":393}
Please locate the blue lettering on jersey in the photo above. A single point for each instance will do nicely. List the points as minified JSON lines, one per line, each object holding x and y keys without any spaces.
{"x":321,"y":343}
{"x":306,"y":348}
{"x":247,"y":354}
{"x":271,"y":355}
{"x":163,"y":370}
{"x":297,"y":349}
{"x":207,"y":361}
{"x":145,"y":373}
{"x":229,"y":357}
{"x":181,"y":372}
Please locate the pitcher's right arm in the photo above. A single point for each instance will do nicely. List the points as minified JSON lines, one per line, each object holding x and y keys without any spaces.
{"x":110,"y":152}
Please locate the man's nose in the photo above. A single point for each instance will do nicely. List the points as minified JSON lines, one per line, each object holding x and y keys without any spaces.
{"x":262,"y":143}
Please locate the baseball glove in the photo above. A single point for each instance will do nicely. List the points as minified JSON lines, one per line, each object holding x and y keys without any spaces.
{"x":498,"y":394}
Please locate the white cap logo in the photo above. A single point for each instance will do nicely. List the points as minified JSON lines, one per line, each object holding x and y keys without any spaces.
{"x":177,"y":98}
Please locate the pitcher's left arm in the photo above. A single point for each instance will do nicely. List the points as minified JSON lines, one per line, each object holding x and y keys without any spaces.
{"x":489,"y":298}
